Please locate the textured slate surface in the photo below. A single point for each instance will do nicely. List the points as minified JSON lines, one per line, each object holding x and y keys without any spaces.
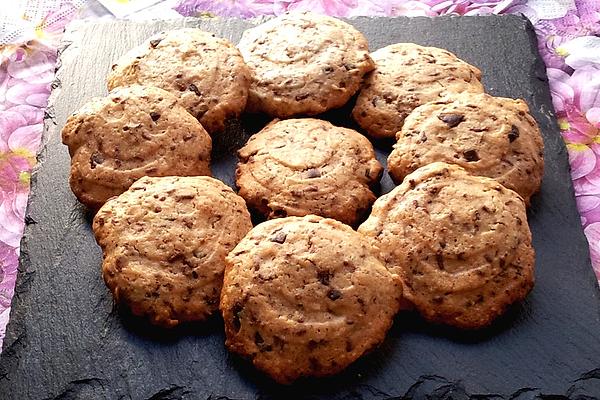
{"x":67,"y":341}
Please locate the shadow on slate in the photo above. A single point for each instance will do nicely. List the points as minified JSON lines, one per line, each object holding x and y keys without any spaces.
{"x":66,"y":340}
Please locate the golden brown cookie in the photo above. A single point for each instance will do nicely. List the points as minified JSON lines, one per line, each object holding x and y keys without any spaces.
{"x":133,"y":132}
{"x":205,"y":72}
{"x":306,"y":297}
{"x":488,"y":136}
{"x":164,"y":242}
{"x":308,"y":166}
{"x":406,"y":76}
{"x":303,"y":63}
{"x":460,"y":243}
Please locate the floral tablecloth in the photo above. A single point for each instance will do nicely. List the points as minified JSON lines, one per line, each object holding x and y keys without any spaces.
{"x":568,"y":34}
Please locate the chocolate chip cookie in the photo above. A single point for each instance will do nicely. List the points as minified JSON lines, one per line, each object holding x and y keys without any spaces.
{"x":308,"y":166}
{"x":460,"y":243}
{"x":406,"y":76}
{"x":133,"y":132}
{"x":164,"y":242}
{"x":306,"y":297}
{"x":488,"y":136}
{"x":303,"y":63}
{"x":205,"y":72}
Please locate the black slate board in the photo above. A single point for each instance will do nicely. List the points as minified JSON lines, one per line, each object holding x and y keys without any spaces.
{"x":67,"y":341}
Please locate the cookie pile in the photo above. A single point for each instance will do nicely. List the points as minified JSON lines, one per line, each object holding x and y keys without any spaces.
{"x":305,"y":294}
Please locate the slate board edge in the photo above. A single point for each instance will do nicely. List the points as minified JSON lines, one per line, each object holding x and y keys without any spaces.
{"x":15,"y":333}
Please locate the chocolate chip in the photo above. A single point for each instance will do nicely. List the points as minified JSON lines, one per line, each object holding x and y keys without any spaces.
{"x":278,"y":213}
{"x":328,"y":70}
{"x":324,"y":277}
{"x":96,"y":159}
{"x":471,"y":155}
{"x":155,"y":116}
{"x":258,"y":339}
{"x":194,"y":275}
{"x":279,"y":237}
{"x":439,"y":258}
{"x":194,"y":88}
{"x":154,"y":43}
{"x":236,"y":311}
{"x":423,"y":137}
{"x":334,"y":294}
{"x":451,"y":120}
{"x":513,"y":134}
{"x":313,"y":173}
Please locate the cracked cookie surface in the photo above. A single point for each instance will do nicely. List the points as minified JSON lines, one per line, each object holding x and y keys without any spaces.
{"x":164,"y":243}
{"x":303,"y":63}
{"x":460,"y":243}
{"x":308,"y":166}
{"x":406,"y":76}
{"x":135,"y":131}
{"x":306,"y":296}
{"x":206,"y":73}
{"x":488,"y":136}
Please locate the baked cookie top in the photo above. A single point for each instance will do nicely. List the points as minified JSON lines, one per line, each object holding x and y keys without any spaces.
{"x":489,"y":136}
{"x":205,"y":72}
{"x":406,"y":76}
{"x":306,"y":297}
{"x":460,"y":243}
{"x":308,"y":166}
{"x":164,"y":242}
{"x":133,"y":132}
{"x":303,"y":63}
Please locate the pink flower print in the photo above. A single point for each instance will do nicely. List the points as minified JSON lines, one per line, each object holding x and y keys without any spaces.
{"x":334,"y":8}
{"x":588,"y":184}
{"x":581,"y":51}
{"x":12,"y":212}
{"x":582,"y":160}
{"x":592,"y":232}
{"x":225,"y":8}
{"x":589,"y":208}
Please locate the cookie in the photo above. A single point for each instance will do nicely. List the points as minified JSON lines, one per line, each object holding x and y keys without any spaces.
{"x":308,"y":166}
{"x":460,"y":243}
{"x":487,"y":136}
{"x":164,"y":242}
{"x":406,"y":76}
{"x":306,"y":296}
{"x":205,"y":72}
{"x":133,"y":132}
{"x":303,"y":63}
